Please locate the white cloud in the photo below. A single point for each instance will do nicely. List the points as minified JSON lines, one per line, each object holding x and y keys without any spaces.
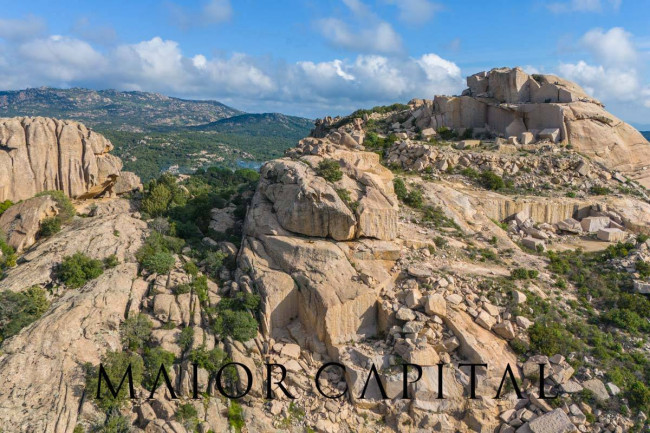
{"x":22,"y":28}
{"x":367,"y":34}
{"x":416,"y":11}
{"x":603,"y":83}
{"x":613,"y":75}
{"x":582,"y":6}
{"x":613,"y":47}
{"x":255,"y":84}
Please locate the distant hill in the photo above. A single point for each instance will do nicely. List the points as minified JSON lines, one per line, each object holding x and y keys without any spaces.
{"x":112,"y":109}
{"x":153,"y":133}
{"x":266,"y":124}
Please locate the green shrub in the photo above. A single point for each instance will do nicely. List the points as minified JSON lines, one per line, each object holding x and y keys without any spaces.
{"x":160,"y":263}
{"x":599,"y":190}
{"x":642,"y":268}
{"x":135,"y":331}
{"x":76,"y":270}
{"x":239,"y":325}
{"x":187,"y":414}
{"x":519,"y":346}
{"x":524,"y":274}
{"x":235,"y":416}
{"x":492,"y":181}
{"x":435,"y":215}
{"x":639,"y":395}
{"x":111,"y":261}
{"x":186,"y":338}
{"x":400,"y":188}
{"x":8,"y":257}
{"x":414,"y":199}
{"x":49,"y":227}
{"x":625,"y":319}
{"x":470,"y":173}
{"x":113,"y":424}
{"x":115,"y":364}
{"x":5,"y":205}
{"x":213,"y":261}
{"x":191,"y":269}
{"x":153,"y":358}
{"x":330,"y":170}
{"x":446,"y":133}
{"x":550,"y":339}
{"x":19,"y":309}
{"x":211,"y":360}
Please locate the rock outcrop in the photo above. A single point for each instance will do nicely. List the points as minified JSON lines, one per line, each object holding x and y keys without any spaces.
{"x":21,"y":222}
{"x":511,"y":103}
{"x":39,"y":154}
{"x":330,"y":287}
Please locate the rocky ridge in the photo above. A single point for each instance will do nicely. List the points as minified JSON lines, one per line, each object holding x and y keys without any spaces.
{"x":356,"y":267}
{"x":40,"y":154}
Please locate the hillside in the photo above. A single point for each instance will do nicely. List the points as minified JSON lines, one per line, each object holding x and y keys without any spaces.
{"x":112,"y":109}
{"x":264,"y":124}
{"x":393,"y":236}
{"x":153,"y":133}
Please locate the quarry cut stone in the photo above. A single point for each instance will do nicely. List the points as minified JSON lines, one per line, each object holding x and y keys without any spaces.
{"x":468,"y":144}
{"x":570,"y":225}
{"x":533,"y":243}
{"x":555,"y":421}
{"x":593,"y":224}
{"x":611,"y":235}
{"x":435,"y":305}
{"x":526,"y":138}
{"x":550,"y":134}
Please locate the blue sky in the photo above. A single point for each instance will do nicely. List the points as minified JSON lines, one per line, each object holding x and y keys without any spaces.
{"x":314,"y":58}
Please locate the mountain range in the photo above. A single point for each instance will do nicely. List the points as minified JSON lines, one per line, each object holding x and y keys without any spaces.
{"x":154,"y":133}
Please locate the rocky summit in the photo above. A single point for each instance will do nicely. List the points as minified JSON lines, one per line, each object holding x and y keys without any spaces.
{"x":39,"y":154}
{"x":473,"y":263}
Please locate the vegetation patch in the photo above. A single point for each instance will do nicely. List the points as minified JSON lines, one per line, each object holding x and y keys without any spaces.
{"x":20,"y":309}
{"x":330,"y":170}
{"x":76,"y":270}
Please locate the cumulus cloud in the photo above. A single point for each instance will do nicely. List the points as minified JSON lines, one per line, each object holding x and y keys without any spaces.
{"x":416,"y":11}
{"x":613,"y":74}
{"x":210,"y":12}
{"x":582,"y":6}
{"x":604,"y":83}
{"x":257,"y":84}
{"x":367,"y":33}
{"x":612,"y":47}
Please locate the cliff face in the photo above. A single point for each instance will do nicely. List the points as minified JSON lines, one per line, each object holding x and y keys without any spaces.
{"x":511,"y":103}
{"x":39,"y":154}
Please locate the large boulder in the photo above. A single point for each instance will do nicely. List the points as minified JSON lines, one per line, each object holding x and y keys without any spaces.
{"x":21,"y":222}
{"x":39,"y":154}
